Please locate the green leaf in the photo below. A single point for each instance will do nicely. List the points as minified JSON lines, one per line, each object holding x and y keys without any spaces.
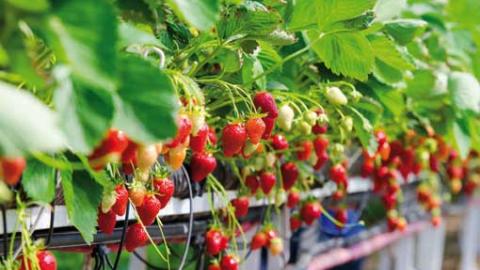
{"x":200,"y":13}
{"x":30,"y":5}
{"x":146,"y":103}
{"x":405,"y":30}
{"x":82,"y":36}
{"x":38,"y":180}
{"x":392,"y":99}
{"x":129,"y":35}
{"x":26,"y":124}
{"x":387,"y":9}
{"x":464,"y":12}
{"x":82,"y":196}
{"x":307,"y":13}
{"x":251,"y":69}
{"x":386,"y":73}
{"x":3,"y":56}
{"x":85,"y":112}
{"x":386,"y":51}
{"x":426,"y":84}
{"x":363,"y":130}
{"x":465,"y":92}
{"x":251,"y":20}
{"x":349,"y":54}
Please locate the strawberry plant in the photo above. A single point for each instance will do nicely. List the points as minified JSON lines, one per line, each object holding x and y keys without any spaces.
{"x":105,"y":99}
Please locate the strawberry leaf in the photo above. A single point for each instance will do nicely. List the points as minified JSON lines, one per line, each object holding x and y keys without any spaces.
{"x":38,"y":180}
{"x":82,"y":196}
{"x":201,"y":14}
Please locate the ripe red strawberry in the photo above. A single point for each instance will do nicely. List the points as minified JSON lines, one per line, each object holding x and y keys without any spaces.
{"x":320,"y":144}
{"x":46,"y":261}
{"x":234,"y":137}
{"x":201,"y":165}
{"x":384,"y":150}
{"x":184,"y":126}
{"x":135,"y":237}
{"x":381,"y":137}
{"x":212,"y":137}
{"x":279,"y":142}
{"x":120,"y":206}
{"x":338,"y":173}
{"x":295,"y":222}
{"x":148,"y":211}
{"x":214,"y":241}
{"x":259,"y":240}
{"x":267,"y":181}
{"x":106,"y":221}
{"x":252,"y":183}
{"x":305,"y":151}
{"x":241,"y":206}
{"x":322,"y":159}
{"x":293,"y":198}
{"x":367,"y":168}
{"x":110,"y":149}
{"x":320,"y":128}
{"x":266,"y":103}
{"x":270,"y":233}
{"x":390,"y":200}
{"x":164,"y":188}
{"x":289,"y":175}
{"x":269,"y":126}
{"x":255,"y":128}
{"x":198,"y":142}
{"x":129,"y":157}
{"x":11,"y":169}
{"x":310,"y":212}
{"x":434,"y":163}
{"x":229,"y":262}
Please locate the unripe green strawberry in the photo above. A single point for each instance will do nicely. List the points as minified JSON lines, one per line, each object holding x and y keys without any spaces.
{"x":336,"y":96}
{"x":310,"y":117}
{"x":347,"y":123}
{"x":197,"y":117}
{"x":304,"y":128}
{"x":356,"y":96}
{"x":108,"y":200}
{"x":285,"y":117}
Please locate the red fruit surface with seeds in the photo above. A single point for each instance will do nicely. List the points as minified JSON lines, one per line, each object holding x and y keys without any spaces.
{"x":320,"y":144}
{"x":322,"y":159}
{"x":214,"y":241}
{"x":114,"y":143}
{"x":293,"y":198}
{"x":229,"y":262}
{"x":266,"y":103}
{"x":267,"y":181}
{"x":212,"y":136}
{"x":199,"y":142}
{"x":201,"y":165}
{"x":295,"y":222}
{"x":135,"y":237}
{"x":148,"y":211}
{"x":241,"y":206}
{"x":234,"y":137}
{"x":305,"y":150}
{"x":164,"y":188}
{"x":252,"y":182}
{"x":106,"y":221}
{"x":129,"y":157}
{"x":255,"y":128}
{"x":338,"y":173}
{"x":320,"y":129}
{"x":310,"y":212}
{"x":279,"y":142}
{"x":11,"y":169}
{"x":184,"y":126}
{"x":120,"y":206}
{"x":46,"y":261}
{"x":289,"y":175}
{"x":259,"y":240}
{"x":269,"y":126}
